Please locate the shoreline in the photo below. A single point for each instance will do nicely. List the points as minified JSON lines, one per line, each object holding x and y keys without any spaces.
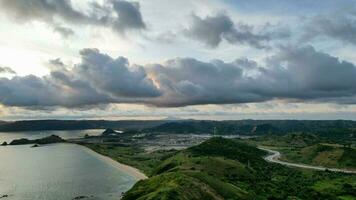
{"x":136,"y":173}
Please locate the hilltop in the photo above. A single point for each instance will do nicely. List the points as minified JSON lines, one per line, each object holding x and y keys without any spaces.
{"x":228,"y":169}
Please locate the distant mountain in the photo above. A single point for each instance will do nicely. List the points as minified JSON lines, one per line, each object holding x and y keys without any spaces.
{"x":40,"y":125}
{"x":214,"y":127}
{"x":171,"y":118}
{"x":257,"y":127}
{"x":330,"y":128}
{"x":185,"y":127}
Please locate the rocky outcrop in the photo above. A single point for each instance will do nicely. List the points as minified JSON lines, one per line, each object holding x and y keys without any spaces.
{"x":109,"y":132}
{"x":47,"y":140}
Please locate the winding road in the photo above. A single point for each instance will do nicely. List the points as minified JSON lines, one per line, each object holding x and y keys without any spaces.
{"x":275,"y":155}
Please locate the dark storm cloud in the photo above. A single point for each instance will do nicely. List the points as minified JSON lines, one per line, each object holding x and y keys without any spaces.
{"x":6,"y":70}
{"x":120,"y":15}
{"x":292,"y":74}
{"x":212,"y":30}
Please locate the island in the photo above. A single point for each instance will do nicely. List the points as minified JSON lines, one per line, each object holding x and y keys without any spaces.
{"x":109,"y":132}
{"x":46,"y":140}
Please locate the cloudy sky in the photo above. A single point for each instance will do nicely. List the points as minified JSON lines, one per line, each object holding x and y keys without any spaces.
{"x":202,"y":59}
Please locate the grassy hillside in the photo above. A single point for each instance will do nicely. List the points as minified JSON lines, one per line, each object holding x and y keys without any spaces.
{"x":227,"y":169}
{"x":329,"y":155}
{"x":311,"y":149}
{"x":288,"y":140}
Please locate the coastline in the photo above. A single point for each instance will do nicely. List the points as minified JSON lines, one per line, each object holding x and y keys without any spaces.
{"x":126,"y":168}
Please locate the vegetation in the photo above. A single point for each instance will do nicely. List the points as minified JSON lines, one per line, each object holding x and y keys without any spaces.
{"x":215,"y":127}
{"x":335,"y":129}
{"x":311,"y":149}
{"x":328,"y":155}
{"x":132,"y":155}
{"x":228,"y":169}
{"x":288,"y":140}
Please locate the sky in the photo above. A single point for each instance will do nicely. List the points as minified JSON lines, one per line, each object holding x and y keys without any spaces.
{"x":202,"y":59}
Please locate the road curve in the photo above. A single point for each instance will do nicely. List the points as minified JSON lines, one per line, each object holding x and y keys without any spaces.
{"x":275,"y":155}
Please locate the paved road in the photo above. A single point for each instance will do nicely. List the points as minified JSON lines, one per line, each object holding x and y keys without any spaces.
{"x":275,"y":155}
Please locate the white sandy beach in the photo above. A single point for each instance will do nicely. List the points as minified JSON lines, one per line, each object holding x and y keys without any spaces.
{"x":126,"y":168}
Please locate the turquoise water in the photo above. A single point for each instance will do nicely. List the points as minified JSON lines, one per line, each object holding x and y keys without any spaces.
{"x":59,"y":172}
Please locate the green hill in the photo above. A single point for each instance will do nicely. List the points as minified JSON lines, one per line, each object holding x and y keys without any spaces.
{"x":227,"y":169}
{"x":329,"y":155}
{"x":291,"y":140}
{"x":335,"y":129}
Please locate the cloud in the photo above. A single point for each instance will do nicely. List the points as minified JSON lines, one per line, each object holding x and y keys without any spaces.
{"x":305,"y":74}
{"x":97,"y":79}
{"x":6,"y":70}
{"x":114,"y":76}
{"x":294,"y":74}
{"x":129,"y":16}
{"x":120,"y":15}
{"x":56,"y":63}
{"x":187,"y":81}
{"x":341,"y":26}
{"x":212,"y":30}
{"x":44,"y":10}
{"x":63,"y":31}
